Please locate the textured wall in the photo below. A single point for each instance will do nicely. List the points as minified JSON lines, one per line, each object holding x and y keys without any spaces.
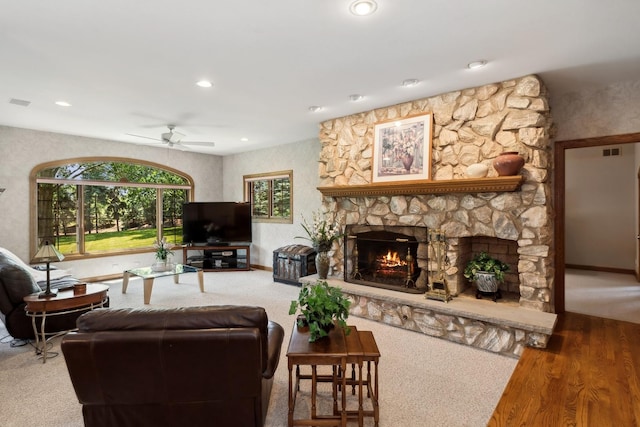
{"x":302,"y":158}
{"x":21,"y":150}
{"x":611,"y":110}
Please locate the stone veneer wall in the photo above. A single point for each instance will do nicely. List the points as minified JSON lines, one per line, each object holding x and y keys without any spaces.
{"x":470,"y":126}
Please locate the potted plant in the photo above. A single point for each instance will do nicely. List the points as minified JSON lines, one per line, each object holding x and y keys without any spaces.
{"x":163,"y":250}
{"x":321,"y":234}
{"x":321,"y":306}
{"x":486,"y":272}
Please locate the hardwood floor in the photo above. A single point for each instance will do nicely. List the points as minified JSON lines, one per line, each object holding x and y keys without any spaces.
{"x":589,"y":375}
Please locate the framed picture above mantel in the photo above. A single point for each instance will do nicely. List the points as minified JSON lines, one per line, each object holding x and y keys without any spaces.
{"x":402,"y":149}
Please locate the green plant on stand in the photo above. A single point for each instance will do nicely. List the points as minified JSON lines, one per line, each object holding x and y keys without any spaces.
{"x":322,"y":307}
{"x":486,"y":272}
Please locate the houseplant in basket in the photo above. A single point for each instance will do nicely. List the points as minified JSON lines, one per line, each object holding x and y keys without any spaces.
{"x":487,"y":273}
{"x":321,"y":307}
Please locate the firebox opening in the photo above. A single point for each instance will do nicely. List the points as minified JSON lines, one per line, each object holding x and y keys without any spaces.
{"x":385,"y":259}
{"x":502,"y":249}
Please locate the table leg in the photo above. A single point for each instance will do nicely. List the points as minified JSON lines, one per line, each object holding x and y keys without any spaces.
{"x":175,"y":278}
{"x":201,"y":280}
{"x":334,"y":388}
{"x":125,"y":282}
{"x":291,"y":402}
{"x":314,"y":385}
{"x":43,"y":338}
{"x":148,"y":286}
{"x":343,"y":366}
{"x":360,"y":398}
{"x":376,"y":407}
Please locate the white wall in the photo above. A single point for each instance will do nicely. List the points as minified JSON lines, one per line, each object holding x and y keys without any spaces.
{"x":21,"y":150}
{"x":600,"y":207}
{"x":301,"y":157}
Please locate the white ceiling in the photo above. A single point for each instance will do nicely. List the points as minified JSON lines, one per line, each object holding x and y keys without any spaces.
{"x":130,"y":67}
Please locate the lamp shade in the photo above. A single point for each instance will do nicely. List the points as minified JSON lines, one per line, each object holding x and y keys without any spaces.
{"x":47,"y":253}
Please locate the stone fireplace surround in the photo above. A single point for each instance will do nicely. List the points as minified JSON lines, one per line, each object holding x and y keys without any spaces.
{"x":470,"y":126}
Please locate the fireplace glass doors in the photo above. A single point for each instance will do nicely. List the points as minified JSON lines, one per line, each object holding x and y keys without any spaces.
{"x":385,"y":257}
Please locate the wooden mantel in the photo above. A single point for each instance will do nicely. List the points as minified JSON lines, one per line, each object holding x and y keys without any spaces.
{"x":462,"y":185}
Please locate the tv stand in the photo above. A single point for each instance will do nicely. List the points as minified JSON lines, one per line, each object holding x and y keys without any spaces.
{"x":218,"y":258}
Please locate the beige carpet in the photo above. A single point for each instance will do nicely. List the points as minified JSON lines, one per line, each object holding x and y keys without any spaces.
{"x":602,"y":294}
{"x":424,"y":381}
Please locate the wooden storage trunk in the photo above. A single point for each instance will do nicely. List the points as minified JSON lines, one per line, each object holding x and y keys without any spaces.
{"x":292,"y":262}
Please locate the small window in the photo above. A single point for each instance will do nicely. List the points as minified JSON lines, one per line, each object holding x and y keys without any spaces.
{"x":270,"y":196}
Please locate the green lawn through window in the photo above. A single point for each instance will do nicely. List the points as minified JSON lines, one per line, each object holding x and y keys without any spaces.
{"x":108,"y":240}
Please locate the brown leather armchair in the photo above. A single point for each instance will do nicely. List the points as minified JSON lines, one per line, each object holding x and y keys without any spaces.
{"x":191,"y":366}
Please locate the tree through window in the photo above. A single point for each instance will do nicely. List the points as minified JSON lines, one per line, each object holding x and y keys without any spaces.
{"x":270,"y":196}
{"x":97,"y":206}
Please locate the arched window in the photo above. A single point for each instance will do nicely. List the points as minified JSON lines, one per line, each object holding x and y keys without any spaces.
{"x":99,"y":206}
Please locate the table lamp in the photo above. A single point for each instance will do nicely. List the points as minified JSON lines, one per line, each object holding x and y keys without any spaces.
{"x":47,"y":254}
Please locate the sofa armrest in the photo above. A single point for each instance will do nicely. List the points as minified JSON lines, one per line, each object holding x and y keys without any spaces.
{"x":275,"y":336}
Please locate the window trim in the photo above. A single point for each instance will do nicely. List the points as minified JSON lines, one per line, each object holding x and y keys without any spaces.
{"x":33,"y":195}
{"x":269,"y":176}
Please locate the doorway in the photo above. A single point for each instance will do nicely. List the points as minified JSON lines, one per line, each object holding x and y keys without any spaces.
{"x":559,"y":203}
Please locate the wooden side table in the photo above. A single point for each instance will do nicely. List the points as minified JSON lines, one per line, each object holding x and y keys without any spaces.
{"x":65,"y":302}
{"x":328,"y":351}
{"x":370,"y":353}
{"x":362,"y":351}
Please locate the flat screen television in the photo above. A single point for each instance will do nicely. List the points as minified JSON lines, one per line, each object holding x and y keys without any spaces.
{"x":216,"y":223}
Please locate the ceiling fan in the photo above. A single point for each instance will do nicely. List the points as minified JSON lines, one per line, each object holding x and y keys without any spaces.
{"x":173,"y":139}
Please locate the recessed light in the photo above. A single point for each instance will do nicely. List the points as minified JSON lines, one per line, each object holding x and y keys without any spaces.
{"x":315,"y":108}
{"x":204,"y":83}
{"x":63,"y":104}
{"x":355,"y":98}
{"x":410,"y":82}
{"x":476,"y":64}
{"x":363,"y":7}
{"x":244,"y":139}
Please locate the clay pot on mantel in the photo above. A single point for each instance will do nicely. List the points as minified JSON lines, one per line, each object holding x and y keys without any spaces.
{"x":508,"y":163}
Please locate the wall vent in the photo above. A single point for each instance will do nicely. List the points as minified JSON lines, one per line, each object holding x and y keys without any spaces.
{"x":20,"y":102}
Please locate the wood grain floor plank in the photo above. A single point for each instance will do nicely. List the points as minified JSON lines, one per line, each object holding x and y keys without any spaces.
{"x":589,"y":375}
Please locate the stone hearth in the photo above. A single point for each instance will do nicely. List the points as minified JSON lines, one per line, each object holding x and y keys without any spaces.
{"x":503,"y":327}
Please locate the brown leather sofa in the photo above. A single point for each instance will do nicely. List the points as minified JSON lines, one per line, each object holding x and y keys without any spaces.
{"x":191,"y":366}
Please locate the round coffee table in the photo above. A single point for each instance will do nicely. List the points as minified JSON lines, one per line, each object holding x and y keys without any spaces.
{"x":65,"y":302}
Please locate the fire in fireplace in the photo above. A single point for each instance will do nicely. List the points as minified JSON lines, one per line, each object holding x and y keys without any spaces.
{"x":386,"y":256}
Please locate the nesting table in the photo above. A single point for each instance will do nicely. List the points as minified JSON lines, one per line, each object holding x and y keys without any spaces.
{"x":338,"y":350}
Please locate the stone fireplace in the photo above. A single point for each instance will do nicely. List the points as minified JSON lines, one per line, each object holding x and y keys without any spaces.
{"x":510,"y":217}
